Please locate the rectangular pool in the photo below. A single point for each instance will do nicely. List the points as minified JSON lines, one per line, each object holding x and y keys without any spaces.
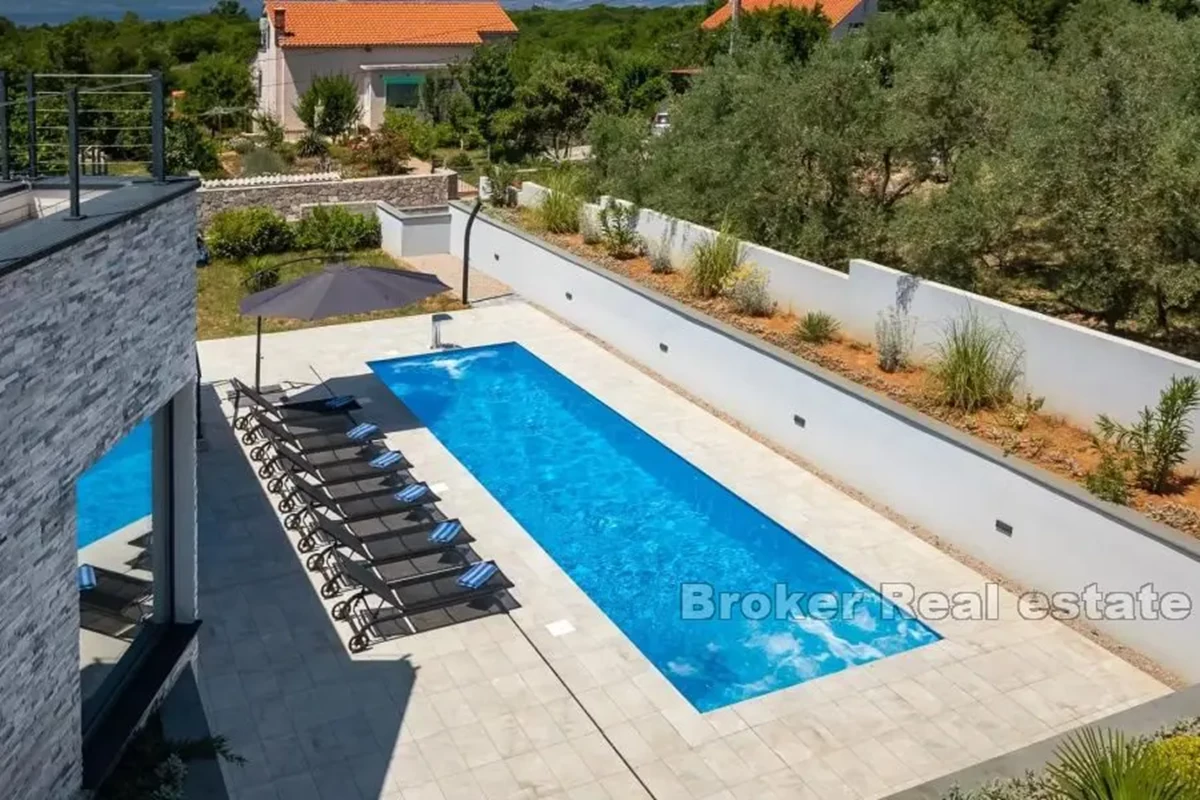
{"x":632,"y":523}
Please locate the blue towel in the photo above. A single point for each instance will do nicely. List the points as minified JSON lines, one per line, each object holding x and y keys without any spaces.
{"x":339,"y":401}
{"x":445,"y":531}
{"x":362,"y":431}
{"x":477,"y":575}
{"x":410,"y":493}
{"x":85,"y":577}
{"x":385,"y":460}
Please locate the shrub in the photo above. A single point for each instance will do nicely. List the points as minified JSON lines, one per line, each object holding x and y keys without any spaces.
{"x":1180,"y":755}
{"x":618,"y":229}
{"x":420,"y":135}
{"x":978,"y":364}
{"x":460,"y":161}
{"x":241,"y":145}
{"x":558,"y":212}
{"x":312,"y":145}
{"x":894,"y":331}
{"x":1107,"y":481}
{"x":660,"y":255}
{"x":749,"y":293}
{"x":243,"y":232}
{"x":501,"y":178}
{"x":384,"y":152}
{"x":261,"y":161}
{"x":1096,"y":765}
{"x":714,"y":262}
{"x":335,"y":229}
{"x":272,"y":131}
{"x":1158,"y":441}
{"x":329,"y":106}
{"x":817,"y":327}
{"x":258,"y":275}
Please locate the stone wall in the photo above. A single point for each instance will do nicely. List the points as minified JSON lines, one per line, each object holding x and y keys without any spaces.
{"x":290,"y":199}
{"x":94,"y":337}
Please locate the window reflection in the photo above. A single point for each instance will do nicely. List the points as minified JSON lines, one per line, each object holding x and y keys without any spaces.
{"x":114,"y":499}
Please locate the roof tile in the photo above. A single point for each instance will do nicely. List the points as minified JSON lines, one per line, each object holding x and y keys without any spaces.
{"x":835,"y":10}
{"x":364,"y":23}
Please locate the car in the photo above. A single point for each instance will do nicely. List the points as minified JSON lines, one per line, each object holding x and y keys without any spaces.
{"x":661,"y":123}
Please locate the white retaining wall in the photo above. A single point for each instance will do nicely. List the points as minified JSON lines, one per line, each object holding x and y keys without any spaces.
{"x":1080,"y":372}
{"x":1062,"y":540}
{"x":420,"y":232}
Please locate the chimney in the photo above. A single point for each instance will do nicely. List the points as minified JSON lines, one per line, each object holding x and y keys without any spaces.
{"x":280,"y":25}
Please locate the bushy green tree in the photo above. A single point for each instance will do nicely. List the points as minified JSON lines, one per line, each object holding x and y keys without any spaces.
{"x":218,"y":90}
{"x":639,"y":84}
{"x":488,"y":81}
{"x":329,"y":106}
{"x":556,"y":103}
{"x":795,"y":31}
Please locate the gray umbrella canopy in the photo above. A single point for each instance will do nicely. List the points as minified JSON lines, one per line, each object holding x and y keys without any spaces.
{"x":338,"y":289}
{"x":342,"y":289}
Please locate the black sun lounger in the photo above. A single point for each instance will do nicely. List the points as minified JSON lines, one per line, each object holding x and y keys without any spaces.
{"x":287,"y":409}
{"x":352,"y":509}
{"x":423,"y":602}
{"x":379,"y":485}
{"x":361,"y":435}
{"x":110,"y":602}
{"x":386,"y":464}
{"x":389,"y":552}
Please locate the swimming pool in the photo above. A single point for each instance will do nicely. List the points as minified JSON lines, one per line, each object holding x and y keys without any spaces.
{"x":631,"y":523}
{"x":115,"y":491}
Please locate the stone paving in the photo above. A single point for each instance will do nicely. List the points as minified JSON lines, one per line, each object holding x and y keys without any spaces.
{"x":477,"y":711}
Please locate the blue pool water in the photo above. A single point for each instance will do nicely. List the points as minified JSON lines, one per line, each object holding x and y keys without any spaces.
{"x":631,"y":522}
{"x":114,"y":491}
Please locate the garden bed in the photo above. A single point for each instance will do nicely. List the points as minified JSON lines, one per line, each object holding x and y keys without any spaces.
{"x":1019,"y":429}
{"x":220,"y":288}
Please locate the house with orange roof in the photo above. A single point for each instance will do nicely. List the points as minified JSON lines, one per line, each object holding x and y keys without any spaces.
{"x":843,"y":15}
{"x":387,"y":47}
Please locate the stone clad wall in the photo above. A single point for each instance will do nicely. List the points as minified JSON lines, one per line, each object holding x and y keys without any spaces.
{"x":94,"y":338}
{"x":290,"y":199}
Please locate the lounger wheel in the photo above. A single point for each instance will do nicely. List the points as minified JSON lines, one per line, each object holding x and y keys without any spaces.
{"x":292,"y":523}
{"x":257,"y":453}
{"x":287,"y":505}
{"x":305,"y":544}
{"x":241,"y":423}
{"x":265,"y":472}
{"x":329,"y":589}
{"x":341,"y":611}
{"x":358,"y":643}
{"x":315,"y":562}
{"x":275,"y":484}
{"x":249,"y":437}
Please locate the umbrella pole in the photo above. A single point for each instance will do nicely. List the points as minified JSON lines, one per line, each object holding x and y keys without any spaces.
{"x":258,"y":355}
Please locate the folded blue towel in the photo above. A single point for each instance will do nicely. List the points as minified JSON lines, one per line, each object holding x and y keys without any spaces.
{"x":385,"y":460}
{"x":445,"y":531}
{"x":410,"y":493}
{"x":339,"y":401}
{"x":477,"y":575}
{"x":362,"y":431}
{"x":85,"y":577}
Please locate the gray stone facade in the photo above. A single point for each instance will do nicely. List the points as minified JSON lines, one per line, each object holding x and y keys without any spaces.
{"x":94,"y":337}
{"x":290,"y":199}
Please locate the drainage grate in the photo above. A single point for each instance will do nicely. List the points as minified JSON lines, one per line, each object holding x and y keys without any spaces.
{"x":1004,"y":528}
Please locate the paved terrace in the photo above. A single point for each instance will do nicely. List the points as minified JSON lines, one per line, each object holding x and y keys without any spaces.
{"x":476,"y":711}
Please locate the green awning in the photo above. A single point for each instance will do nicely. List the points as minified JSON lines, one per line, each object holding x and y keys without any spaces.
{"x":403,"y":80}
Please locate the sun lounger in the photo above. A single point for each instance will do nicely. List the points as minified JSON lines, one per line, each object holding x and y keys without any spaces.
{"x":387,"y":469}
{"x":423,"y":602}
{"x":110,"y":602}
{"x":390,"y":552}
{"x":352,"y":509}
{"x":384,"y":483}
{"x":270,"y":432}
{"x":287,"y":409}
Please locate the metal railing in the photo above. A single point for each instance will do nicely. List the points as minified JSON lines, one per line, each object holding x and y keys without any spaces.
{"x":67,"y":124}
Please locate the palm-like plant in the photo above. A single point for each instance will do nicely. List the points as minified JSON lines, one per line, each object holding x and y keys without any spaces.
{"x":1105,"y":765}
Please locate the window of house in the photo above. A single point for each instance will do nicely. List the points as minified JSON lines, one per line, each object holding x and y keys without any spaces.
{"x":120,"y":529}
{"x":403,"y":91}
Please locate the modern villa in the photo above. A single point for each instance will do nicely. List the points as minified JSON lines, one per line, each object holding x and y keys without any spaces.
{"x":386,"y":47}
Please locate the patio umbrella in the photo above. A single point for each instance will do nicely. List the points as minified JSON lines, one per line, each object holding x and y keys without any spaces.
{"x":335,"y":290}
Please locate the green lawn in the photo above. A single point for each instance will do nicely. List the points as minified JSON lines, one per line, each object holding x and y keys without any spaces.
{"x":220,"y":290}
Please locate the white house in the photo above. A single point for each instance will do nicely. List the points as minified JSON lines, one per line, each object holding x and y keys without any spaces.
{"x":386,"y":47}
